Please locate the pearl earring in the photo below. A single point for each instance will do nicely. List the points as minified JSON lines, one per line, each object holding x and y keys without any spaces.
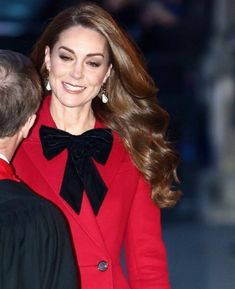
{"x":48,"y":86}
{"x":103,"y":95}
{"x":104,"y":98}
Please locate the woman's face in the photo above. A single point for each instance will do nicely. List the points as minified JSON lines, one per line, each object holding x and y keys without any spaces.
{"x":78,"y":65}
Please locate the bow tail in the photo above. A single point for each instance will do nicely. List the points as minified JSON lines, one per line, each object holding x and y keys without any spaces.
{"x":94,"y":185}
{"x":72,"y":188}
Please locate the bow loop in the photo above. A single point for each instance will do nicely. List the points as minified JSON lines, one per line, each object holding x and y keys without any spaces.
{"x":80,"y":172}
{"x":54,"y":142}
{"x":98,"y":143}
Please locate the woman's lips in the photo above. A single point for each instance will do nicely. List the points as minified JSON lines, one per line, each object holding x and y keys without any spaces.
{"x":73,"y":88}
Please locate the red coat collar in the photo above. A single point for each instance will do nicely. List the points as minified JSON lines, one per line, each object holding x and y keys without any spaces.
{"x":50,"y":177}
{"x":45,"y":118}
{"x":118,"y":152}
{"x":6,"y":171}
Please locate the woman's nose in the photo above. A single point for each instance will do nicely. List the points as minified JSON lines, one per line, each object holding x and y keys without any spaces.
{"x":77,"y":70}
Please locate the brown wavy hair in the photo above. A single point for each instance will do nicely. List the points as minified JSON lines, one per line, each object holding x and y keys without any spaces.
{"x":132,"y":109}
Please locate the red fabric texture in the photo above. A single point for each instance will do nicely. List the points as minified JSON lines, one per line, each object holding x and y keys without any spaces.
{"x":127,"y":216}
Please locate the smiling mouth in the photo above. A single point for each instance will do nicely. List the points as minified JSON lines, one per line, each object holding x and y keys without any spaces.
{"x":73,"y":88}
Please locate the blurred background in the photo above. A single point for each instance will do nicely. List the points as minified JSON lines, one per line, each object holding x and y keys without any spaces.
{"x":189,"y":47}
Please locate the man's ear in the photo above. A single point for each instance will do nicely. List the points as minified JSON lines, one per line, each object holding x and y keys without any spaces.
{"x":27,"y":126}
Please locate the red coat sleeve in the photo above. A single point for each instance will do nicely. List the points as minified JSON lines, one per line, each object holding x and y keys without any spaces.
{"x":145,"y":253}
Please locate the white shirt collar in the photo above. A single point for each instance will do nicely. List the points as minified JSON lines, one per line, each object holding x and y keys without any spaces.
{"x":4,"y":158}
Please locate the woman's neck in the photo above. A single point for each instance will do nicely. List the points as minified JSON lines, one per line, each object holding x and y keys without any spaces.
{"x":73,"y":120}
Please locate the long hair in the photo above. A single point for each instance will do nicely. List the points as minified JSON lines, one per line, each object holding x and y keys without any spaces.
{"x":132,"y":109}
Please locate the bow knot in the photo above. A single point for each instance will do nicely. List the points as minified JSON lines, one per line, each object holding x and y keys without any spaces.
{"x":80,"y":172}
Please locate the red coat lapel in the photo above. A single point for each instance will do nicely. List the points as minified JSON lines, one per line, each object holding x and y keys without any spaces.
{"x":51,"y":173}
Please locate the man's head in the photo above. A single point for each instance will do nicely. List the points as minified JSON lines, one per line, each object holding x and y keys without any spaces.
{"x":20,"y":92}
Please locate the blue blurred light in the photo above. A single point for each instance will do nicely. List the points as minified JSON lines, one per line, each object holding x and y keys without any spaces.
{"x":16,"y":11}
{"x":11,"y":29}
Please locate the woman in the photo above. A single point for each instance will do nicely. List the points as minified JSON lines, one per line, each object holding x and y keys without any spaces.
{"x":100,"y":131}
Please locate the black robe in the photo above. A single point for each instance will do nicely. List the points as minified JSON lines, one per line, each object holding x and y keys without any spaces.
{"x":35,"y":245}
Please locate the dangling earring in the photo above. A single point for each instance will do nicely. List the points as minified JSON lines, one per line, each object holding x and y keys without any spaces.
{"x":104,"y":98}
{"x":48,"y":86}
{"x":103,"y":95}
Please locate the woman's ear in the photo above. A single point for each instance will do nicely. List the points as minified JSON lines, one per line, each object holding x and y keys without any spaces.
{"x":108,"y":73}
{"x":47,"y":58}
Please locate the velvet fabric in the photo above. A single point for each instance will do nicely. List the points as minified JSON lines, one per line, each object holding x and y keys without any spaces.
{"x":80,"y":172}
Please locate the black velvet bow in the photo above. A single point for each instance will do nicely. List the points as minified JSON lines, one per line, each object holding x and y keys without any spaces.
{"x":80,"y":172}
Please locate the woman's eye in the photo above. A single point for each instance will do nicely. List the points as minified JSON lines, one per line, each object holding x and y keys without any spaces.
{"x":93,"y":64}
{"x":65,"y":57}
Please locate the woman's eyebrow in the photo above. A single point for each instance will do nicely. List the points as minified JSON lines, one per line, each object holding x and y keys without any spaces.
{"x":88,"y":55}
{"x":66,"y":48}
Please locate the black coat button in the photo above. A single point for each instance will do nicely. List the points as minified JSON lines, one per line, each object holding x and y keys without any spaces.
{"x":103,"y":266}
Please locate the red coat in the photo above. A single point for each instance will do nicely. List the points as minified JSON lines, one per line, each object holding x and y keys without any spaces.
{"x":127,"y":216}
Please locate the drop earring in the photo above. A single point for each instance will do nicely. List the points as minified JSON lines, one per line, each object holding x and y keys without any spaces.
{"x":103,"y":95}
{"x":48,"y":86}
{"x":104,"y":98}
